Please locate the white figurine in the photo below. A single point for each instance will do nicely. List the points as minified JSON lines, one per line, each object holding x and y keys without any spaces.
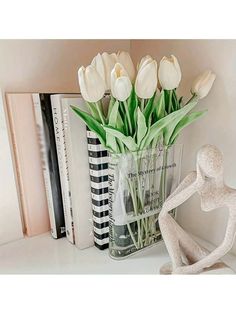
{"x":187,"y":256}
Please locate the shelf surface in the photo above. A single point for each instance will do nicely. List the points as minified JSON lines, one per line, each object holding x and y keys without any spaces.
{"x":44,"y":255}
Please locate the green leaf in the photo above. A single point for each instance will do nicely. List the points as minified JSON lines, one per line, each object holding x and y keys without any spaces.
{"x":92,"y":123}
{"x":169,"y":129}
{"x":113,"y":114}
{"x":156,"y":129}
{"x":127,"y":140}
{"x":160,"y":108}
{"x":167,"y":96}
{"x":110,"y":106}
{"x":185,"y":121}
{"x":123,"y":119}
{"x":142,"y":128}
{"x":175,"y":101}
{"x":169,"y":122}
{"x":180,"y":101}
{"x":120,"y":123}
{"x":110,"y":139}
{"x":93,"y":110}
{"x":148,"y":110}
{"x":132,"y":105}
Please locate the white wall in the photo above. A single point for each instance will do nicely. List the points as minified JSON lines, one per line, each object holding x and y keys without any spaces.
{"x":218,"y":127}
{"x":48,"y":65}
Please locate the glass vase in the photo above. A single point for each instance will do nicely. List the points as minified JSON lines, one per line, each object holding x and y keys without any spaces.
{"x":139,"y":183}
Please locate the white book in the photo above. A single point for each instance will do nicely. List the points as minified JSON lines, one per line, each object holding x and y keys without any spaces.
{"x":62,"y":162}
{"x":78,"y":168}
{"x":10,"y":216}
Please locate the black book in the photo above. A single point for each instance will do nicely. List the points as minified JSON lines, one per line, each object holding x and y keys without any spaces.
{"x":44,"y":120}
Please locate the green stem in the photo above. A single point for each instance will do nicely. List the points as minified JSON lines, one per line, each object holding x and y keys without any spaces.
{"x":142,"y":104}
{"x":170,"y":101}
{"x":132,"y":236}
{"x":163,"y":176}
{"x":138,"y":181}
{"x":99,"y":110}
{"x":121,"y":146}
{"x":135,"y":206}
{"x":194,"y":96}
{"x":128,"y":116}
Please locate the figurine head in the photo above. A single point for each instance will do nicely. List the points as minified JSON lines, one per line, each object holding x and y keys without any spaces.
{"x":210,"y":161}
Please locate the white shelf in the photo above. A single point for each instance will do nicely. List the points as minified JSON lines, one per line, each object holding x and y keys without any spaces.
{"x":44,"y":255}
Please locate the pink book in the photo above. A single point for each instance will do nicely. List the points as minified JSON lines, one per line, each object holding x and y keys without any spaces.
{"x":28,"y":163}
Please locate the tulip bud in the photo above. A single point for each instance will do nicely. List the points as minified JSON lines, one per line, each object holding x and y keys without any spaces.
{"x":169,"y":73}
{"x":124,"y":58}
{"x":143,"y":61}
{"x":146,"y":80}
{"x":203,"y":83}
{"x":92,"y":86}
{"x":120,"y":83}
{"x":104,"y":64}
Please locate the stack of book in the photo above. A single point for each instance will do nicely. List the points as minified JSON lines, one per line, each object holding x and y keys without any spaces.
{"x":61,"y":169}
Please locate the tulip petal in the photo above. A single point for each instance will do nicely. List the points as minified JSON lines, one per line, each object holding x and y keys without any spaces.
{"x":203,"y":84}
{"x":120,"y":83}
{"x":144,"y":61}
{"x":92,"y":86}
{"x":169,"y":73}
{"x":124,"y":58}
{"x":146,"y":80}
{"x":123,"y":88}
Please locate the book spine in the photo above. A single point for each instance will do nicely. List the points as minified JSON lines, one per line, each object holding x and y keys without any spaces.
{"x":98,"y":168}
{"x":78,"y":167}
{"x":10,"y":220}
{"x":15,"y":158}
{"x":63,"y":166}
{"x":43,"y":117}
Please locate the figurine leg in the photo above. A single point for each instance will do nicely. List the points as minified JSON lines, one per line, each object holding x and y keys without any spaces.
{"x":190,"y":248}
{"x":171,"y":241}
{"x":181,"y":247}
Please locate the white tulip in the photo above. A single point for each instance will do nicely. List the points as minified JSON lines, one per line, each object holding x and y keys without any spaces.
{"x":143,"y":61}
{"x":120,"y":83}
{"x":203,"y":83}
{"x":104,"y":64}
{"x":92,"y":86}
{"x":169,"y":73}
{"x":146,"y":80}
{"x":124,"y":58}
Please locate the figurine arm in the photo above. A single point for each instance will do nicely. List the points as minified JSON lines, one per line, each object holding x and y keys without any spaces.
{"x":185,"y":189}
{"x":215,"y":255}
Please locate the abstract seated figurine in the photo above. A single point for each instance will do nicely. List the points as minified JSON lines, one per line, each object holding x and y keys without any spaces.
{"x":187,"y":256}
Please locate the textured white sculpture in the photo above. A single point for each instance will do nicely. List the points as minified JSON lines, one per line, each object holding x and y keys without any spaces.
{"x":187,"y":256}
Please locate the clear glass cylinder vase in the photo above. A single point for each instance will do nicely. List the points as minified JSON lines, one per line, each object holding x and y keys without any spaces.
{"x":139,"y":183}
